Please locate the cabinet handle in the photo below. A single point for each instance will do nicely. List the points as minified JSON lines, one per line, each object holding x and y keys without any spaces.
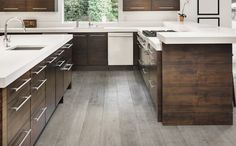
{"x":19,"y":107}
{"x":67,"y":67}
{"x":58,"y":54}
{"x":144,"y":71}
{"x":67,"y":46}
{"x":166,"y":7}
{"x":27,"y":134}
{"x":137,"y":8}
{"x":22,"y":85}
{"x":97,"y":35}
{"x":150,"y":83}
{"x":60,"y":63}
{"x":39,"y":117}
{"x":11,"y":8}
{"x":39,"y":8}
{"x":51,"y":61}
{"x":42,"y":83}
{"x":38,"y":72}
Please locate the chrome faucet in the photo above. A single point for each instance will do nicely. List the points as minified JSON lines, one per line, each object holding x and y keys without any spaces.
{"x":90,"y":22}
{"x":6,"y":39}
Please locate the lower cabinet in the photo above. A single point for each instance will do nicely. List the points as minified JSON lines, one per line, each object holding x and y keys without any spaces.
{"x":50,"y":86}
{"x":90,"y":49}
{"x":150,"y":66}
{"x":32,"y":99}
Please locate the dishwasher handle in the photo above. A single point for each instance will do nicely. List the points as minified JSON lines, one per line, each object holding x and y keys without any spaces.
{"x":120,"y":34}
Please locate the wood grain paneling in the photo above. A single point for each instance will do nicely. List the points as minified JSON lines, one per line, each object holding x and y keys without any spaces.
{"x":165,"y":5}
{"x":197,"y":84}
{"x":137,"y":5}
{"x":97,"y":49}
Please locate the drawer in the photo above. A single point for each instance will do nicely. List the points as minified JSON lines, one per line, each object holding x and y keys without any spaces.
{"x":38,"y":73}
{"x":67,"y":74}
{"x":38,"y":121}
{"x":19,"y":87}
{"x":18,"y":114}
{"x":68,"y":50}
{"x":60,"y":53}
{"x":38,"y":95}
{"x":22,"y":138}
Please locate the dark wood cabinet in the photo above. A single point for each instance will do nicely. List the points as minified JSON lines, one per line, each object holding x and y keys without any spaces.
{"x":30,"y":100}
{"x":60,"y":75}
{"x":12,"y":5}
{"x":27,"y":5}
{"x":80,"y":49}
{"x":68,"y":66}
{"x":165,"y":5}
{"x":40,"y":5}
{"x":97,"y":49}
{"x":151,"y":5}
{"x":90,"y":50}
{"x":137,"y":5}
{"x":50,"y":86}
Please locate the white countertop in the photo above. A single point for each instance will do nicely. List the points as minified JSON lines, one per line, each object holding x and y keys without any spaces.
{"x":14,"y":64}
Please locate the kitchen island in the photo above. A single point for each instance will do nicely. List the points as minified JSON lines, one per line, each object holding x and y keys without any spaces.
{"x":196,"y":74}
{"x":35,"y":73}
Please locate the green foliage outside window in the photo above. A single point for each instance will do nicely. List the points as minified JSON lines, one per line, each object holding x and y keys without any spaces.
{"x":95,"y":10}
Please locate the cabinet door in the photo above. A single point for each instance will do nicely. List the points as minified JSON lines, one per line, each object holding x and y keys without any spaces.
{"x":40,"y":5}
{"x":165,"y":5}
{"x":59,"y":79}
{"x":12,"y":5}
{"x":137,"y":5}
{"x":80,"y":49}
{"x":97,"y":49}
{"x":50,"y":87}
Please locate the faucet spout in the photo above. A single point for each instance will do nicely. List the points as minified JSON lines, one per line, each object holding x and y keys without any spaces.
{"x":6,"y":39}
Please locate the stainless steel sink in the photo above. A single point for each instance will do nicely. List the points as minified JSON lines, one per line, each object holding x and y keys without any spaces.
{"x":26,"y":48}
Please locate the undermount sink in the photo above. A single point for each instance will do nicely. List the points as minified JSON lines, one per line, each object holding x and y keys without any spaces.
{"x":26,"y":48}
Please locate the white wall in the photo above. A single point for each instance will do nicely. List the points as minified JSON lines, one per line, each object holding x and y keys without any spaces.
{"x":55,"y":19}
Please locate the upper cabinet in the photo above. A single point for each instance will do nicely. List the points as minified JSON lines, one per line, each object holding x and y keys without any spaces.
{"x":165,"y":5}
{"x":40,"y":5}
{"x":27,"y":5}
{"x":151,"y":5}
{"x":12,"y":5}
{"x":137,"y":5}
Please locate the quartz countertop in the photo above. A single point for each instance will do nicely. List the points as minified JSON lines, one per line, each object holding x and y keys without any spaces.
{"x":14,"y":63}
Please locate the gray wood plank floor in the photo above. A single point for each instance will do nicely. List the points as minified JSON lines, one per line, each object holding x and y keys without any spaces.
{"x":113,"y":108}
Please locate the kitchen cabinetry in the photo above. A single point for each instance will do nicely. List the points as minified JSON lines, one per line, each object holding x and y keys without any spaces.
{"x":97,"y":49}
{"x":40,"y":5}
{"x":80,"y":49}
{"x":50,"y":86}
{"x":60,"y":75}
{"x":12,"y":5}
{"x":38,"y":99}
{"x":137,"y":5}
{"x":28,"y":5}
{"x":165,"y":5}
{"x":90,"y":50}
{"x":150,"y":66}
{"x":151,"y":5}
{"x":30,"y":100}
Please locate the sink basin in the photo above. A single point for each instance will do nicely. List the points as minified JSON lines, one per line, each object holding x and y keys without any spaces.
{"x":26,"y":48}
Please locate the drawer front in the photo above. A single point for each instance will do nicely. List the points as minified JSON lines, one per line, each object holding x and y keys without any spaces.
{"x":38,"y":73}
{"x":18,"y":114}
{"x":22,"y":138}
{"x":68,"y":50}
{"x":38,"y":121}
{"x":67,"y":74}
{"x":19,"y":87}
{"x":38,"y":96}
